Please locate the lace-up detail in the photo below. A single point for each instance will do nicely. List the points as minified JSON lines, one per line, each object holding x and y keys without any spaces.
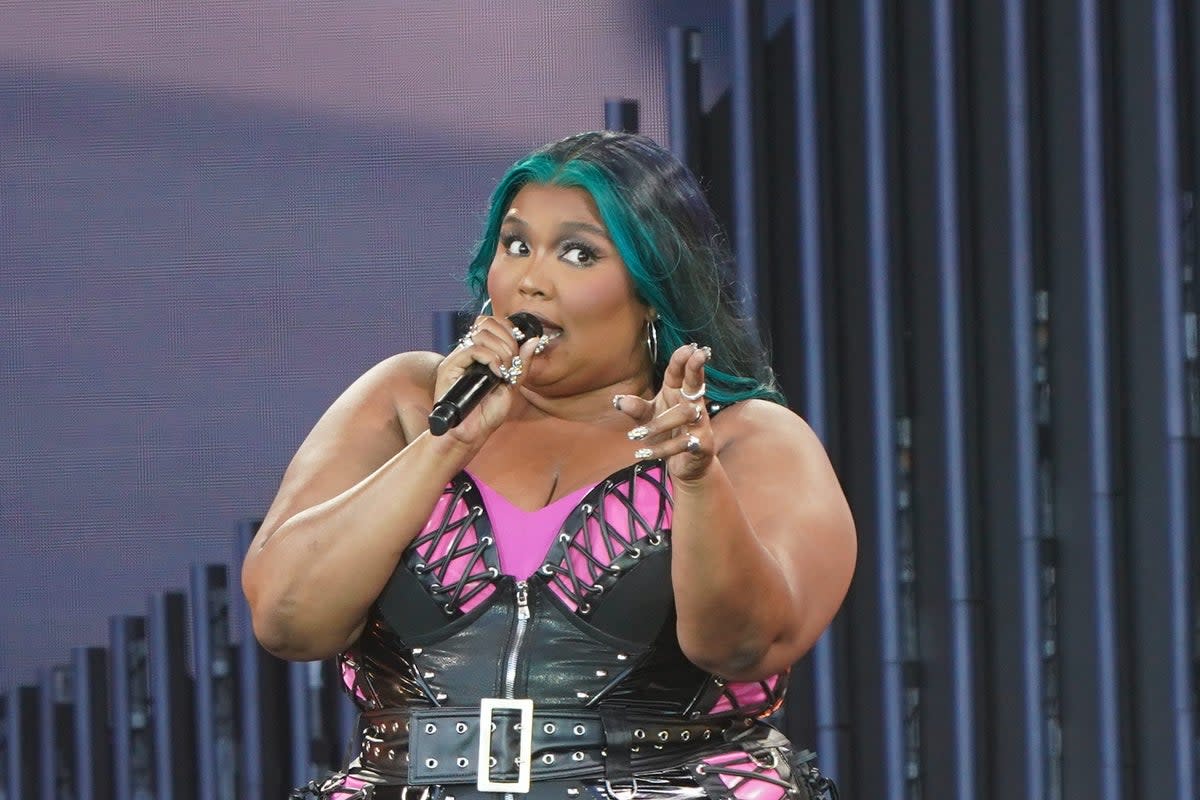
{"x":619,"y":522}
{"x":748,"y":696}
{"x":453,"y":556}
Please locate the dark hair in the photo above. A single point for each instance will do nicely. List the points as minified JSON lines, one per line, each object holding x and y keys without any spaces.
{"x":668,"y":237}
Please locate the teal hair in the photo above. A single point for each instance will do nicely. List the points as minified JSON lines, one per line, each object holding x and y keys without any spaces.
{"x":667,"y":235}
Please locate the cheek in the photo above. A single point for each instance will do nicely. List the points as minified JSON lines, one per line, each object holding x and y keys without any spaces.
{"x":495,"y":279}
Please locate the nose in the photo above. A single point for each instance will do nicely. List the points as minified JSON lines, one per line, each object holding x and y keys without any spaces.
{"x":535,"y":280}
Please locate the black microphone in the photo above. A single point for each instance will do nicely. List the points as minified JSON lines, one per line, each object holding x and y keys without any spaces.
{"x":476,"y":381}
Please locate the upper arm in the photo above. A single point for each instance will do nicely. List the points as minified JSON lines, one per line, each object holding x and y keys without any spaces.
{"x":794,"y":503}
{"x":354,"y":437}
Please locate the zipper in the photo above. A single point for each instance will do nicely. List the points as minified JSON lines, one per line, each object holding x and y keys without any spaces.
{"x":510,"y":665}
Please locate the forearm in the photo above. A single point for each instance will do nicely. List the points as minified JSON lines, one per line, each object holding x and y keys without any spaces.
{"x":316,"y":575}
{"x":732,"y":597}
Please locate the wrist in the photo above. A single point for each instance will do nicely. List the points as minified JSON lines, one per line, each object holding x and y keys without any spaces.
{"x":700,"y":483}
{"x":448,"y":449}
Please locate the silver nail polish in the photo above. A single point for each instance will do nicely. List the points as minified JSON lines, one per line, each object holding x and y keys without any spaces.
{"x":617,"y":402}
{"x":642,"y":453}
{"x":640,"y":432}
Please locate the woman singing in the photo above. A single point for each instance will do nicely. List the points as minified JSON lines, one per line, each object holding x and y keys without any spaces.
{"x":596,"y":583}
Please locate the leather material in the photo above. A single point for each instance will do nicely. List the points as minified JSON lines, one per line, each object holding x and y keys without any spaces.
{"x":440,"y":745}
{"x":590,"y":638}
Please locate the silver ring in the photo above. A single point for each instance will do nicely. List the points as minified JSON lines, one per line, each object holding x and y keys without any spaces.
{"x":466,"y":340}
{"x":694,"y":397}
{"x":699,"y":413}
{"x":512,"y":372}
{"x":693,"y":444}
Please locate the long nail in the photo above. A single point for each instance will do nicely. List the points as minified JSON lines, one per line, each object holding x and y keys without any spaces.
{"x":642,"y":453}
{"x":640,"y":432}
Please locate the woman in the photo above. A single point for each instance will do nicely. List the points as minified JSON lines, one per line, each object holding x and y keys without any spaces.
{"x":596,"y":583}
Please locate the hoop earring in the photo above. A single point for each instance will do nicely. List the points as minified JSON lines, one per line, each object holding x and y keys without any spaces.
{"x":484,"y":308}
{"x":652,"y":341}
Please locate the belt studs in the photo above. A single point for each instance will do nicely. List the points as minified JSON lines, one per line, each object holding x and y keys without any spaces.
{"x":462,"y":761}
{"x":663,"y":736}
{"x":548,"y":758}
{"x":579,"y":730}
{"x":430,"y":727}
{"x":577,"y":755}
{"x":460,"y":727}
{"x":639,"y":734}
{"x":549,"y":727}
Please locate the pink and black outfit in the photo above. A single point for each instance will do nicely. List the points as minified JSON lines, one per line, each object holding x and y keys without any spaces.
{"x":534,"y":652}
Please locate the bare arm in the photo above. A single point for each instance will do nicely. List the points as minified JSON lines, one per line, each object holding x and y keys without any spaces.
{"x":358,"y":491}
{"x":763,"y":546}
{"x":353,"y":497}
{"x":763,"y":543}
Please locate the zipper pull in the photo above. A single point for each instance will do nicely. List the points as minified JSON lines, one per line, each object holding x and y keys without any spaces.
{"x":522,"y":600}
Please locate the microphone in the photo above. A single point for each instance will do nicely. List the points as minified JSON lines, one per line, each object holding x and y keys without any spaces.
{"x":476,"y":381}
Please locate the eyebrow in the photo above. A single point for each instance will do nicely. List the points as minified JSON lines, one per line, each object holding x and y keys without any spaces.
{"x":567,"y":227}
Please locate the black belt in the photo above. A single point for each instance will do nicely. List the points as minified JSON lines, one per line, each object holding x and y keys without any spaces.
{"x":520,"y":743}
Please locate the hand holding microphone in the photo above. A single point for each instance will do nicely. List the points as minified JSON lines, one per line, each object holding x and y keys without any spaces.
{"x":478,"y":379}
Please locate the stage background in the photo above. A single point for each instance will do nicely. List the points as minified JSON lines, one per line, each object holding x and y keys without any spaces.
{"x":214,"y":217}
{"x":969,"y":229}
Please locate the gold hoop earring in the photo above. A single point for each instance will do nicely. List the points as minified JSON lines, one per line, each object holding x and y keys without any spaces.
{"x":652,"y":341}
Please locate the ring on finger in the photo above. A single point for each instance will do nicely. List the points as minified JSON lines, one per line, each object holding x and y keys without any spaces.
{"x":466,"y":340}
{"x":694,"y":396}
{"x":693,"y":444}
{"x":699,"y":413}
{"x":513,"y":371}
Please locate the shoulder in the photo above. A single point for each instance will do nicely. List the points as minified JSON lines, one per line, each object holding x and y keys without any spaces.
{"x":403,"y":373}
{"x":760,"y":421}
{"x":394,"y":391}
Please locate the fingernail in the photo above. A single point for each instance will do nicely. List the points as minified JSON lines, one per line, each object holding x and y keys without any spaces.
{"x":642,"y":453}
{"x":640,"y":432}
{"x":617,"y":401}
{"x":707,"y":352}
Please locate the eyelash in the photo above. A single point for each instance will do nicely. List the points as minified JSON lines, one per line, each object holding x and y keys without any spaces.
{"x":588,"y":253}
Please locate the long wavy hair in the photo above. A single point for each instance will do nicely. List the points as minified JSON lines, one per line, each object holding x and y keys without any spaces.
{"x":676,"y":254}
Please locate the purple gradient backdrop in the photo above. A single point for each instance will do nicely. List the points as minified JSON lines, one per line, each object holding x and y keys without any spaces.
{"x":213,"y":216}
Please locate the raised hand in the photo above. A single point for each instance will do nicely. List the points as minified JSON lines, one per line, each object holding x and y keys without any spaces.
{"x":492,"y":342}
{"x":674,"y":425}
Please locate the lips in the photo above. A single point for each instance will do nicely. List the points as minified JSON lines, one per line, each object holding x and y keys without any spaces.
{"x":549,"y":327}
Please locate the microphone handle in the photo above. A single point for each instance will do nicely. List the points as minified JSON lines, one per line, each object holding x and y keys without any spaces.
{"x":462,"y":397}
{"x":476,"y":381}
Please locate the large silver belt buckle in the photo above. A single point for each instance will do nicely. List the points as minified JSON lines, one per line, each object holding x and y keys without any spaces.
{"x":483,"y":780}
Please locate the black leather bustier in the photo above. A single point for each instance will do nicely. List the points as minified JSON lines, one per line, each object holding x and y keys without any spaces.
{"x":589,"y":638}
